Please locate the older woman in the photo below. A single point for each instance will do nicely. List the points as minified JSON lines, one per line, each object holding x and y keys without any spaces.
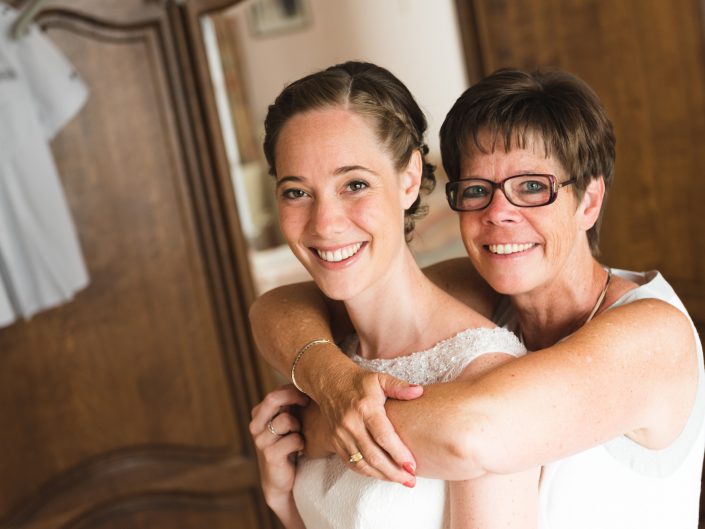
{"x":611,"y":400}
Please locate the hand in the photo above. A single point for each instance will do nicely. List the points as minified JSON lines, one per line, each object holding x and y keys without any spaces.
{"x":276,"y":452}
{"x":352,"y":405}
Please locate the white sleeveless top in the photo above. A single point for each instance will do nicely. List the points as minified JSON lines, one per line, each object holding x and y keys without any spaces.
{"x":621,"y":484}
{"x":329,"y":496}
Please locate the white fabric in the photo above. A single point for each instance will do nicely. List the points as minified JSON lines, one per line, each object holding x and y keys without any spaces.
{"x":329,"y":496}
{"x":621,"y":484}
{"x":40,"y":259}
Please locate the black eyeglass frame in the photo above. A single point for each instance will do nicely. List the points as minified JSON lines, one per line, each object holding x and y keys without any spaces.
{"x":555,"y":187}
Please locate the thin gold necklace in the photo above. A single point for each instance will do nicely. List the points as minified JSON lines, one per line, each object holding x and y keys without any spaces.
{"x":597,"y":306}
{"x":601,"y":297}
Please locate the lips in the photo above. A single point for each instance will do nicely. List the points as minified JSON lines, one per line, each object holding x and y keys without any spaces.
{"x":339,"y":254}
{"x":509,"y":248}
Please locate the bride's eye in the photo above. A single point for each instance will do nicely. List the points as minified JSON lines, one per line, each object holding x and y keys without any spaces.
{"x":293,"y":194}
{"x":357,"y":185}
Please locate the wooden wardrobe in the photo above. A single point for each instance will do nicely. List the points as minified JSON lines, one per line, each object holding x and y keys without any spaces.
{"x":128,"y":407}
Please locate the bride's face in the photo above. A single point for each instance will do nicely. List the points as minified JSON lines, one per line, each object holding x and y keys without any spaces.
{"x":341,"y":201}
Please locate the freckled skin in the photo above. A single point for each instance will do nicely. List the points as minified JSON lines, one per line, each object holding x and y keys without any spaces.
{"x":334,"y":210}
{"x":555,"y":231}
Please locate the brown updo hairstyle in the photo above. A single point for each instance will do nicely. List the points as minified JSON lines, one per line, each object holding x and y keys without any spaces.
{"x":371,"y":92}
{"x":515,"y":107}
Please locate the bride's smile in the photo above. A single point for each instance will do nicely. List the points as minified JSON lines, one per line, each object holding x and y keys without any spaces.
{"x":340,"y":198}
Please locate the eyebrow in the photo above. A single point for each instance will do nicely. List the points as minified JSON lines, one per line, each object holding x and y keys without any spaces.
{"x":349,"y":168}
{"x":288,"y":179}
{"x":339,"y":171}
{"x":518,"y":173}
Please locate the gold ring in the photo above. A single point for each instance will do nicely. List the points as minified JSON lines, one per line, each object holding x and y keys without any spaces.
{"x":271,"y":429}
{"x":355,"y":458}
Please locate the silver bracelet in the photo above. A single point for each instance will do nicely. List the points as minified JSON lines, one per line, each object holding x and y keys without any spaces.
{"x":298,"y":357}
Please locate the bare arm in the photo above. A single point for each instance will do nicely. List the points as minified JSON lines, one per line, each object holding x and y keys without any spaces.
{"x":632,"y":370}
{"x":283,"y":321}
{"x":286,"y":318}
{"x":494,"y":500}
{"x":275,"y":431}
{"x":460,"y":279}
{"x":351,"y":400}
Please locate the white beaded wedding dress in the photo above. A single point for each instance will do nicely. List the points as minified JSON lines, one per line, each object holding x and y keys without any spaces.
{"x":330,"y":496}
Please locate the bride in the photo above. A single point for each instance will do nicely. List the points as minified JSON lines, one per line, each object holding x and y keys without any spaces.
{"x":347,"y":150}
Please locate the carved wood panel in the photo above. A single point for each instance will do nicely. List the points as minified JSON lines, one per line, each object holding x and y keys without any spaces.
{"x":128,"y":407}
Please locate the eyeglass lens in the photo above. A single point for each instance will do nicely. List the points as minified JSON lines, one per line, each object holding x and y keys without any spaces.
{"x":520,"y":190}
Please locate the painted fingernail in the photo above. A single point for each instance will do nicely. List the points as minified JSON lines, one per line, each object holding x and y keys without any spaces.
{"x":410,"y":484}
{"x":410,"y":468}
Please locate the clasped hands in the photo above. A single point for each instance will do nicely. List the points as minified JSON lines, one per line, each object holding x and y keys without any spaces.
{"x":348,"y":417}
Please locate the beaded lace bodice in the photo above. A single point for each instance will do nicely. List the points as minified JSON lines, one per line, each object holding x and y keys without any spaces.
{"x":330,"y":496}
{"x":445,"y":360}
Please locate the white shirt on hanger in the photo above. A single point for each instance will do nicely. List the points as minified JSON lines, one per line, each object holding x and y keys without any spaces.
{"x":41,"y":265}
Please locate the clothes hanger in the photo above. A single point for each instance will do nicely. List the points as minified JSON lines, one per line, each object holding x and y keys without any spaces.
{"x":21,"y":26}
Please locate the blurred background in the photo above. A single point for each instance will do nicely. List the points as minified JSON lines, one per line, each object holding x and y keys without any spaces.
{"x":137,"y":221}
{"x":256,"y":49}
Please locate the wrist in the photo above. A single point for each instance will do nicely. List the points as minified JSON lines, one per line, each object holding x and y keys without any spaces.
{"x":279,"y":502}
{"x":318,"y":367}
{"x":284,"y":506}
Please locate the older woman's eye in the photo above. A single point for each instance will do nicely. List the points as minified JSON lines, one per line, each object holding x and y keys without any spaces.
{"x":534,"y":186}
{"x":476,"y":191}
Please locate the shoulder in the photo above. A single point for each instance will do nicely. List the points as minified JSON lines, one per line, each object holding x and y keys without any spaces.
{"x":475,"y":351}
{"x":651,"y":346}
{"x":643,"y":307}
{"x":459,"y":278}
{"x":650,"y":316}
{"x":646,"y":296}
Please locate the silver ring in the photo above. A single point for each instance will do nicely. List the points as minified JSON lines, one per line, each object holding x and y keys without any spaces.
{"x":271,"y":429}
{"x":355,"y":458}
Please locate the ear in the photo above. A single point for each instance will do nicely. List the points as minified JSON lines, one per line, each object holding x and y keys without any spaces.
{"x":591,"y":203}
{"x":410,"y":179}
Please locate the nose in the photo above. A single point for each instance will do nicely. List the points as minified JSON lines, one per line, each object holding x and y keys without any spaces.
{"x":328,"y":217}
{"x":500,"y":210}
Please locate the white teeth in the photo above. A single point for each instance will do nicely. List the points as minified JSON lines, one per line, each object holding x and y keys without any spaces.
{"x":504,"y":249}
{"x":340,"y":254}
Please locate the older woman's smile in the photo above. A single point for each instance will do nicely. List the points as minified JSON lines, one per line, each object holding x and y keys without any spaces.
{"x":509,"y":248}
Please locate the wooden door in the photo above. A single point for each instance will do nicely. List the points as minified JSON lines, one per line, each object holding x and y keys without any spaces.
{"x":646,"y":61}
{"x":128,"y":407}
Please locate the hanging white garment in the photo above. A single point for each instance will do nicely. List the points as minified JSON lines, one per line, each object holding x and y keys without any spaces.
{"x":41,"y":265}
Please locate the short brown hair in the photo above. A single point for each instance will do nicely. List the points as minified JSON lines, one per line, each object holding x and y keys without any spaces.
{"x":514,"y":106}
{"x":372,"y":92}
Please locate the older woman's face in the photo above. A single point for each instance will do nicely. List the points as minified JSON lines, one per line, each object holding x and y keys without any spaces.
{"x":515,"y":249}
{"x":341,"y":200}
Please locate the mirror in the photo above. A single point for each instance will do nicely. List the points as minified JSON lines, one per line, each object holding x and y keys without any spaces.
{"x":257,"y":47}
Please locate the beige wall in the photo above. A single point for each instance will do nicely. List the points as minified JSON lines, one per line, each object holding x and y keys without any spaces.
{"x":417,"y":40}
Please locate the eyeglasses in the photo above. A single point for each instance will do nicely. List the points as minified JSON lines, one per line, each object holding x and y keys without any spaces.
{"x":524,"y":191}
